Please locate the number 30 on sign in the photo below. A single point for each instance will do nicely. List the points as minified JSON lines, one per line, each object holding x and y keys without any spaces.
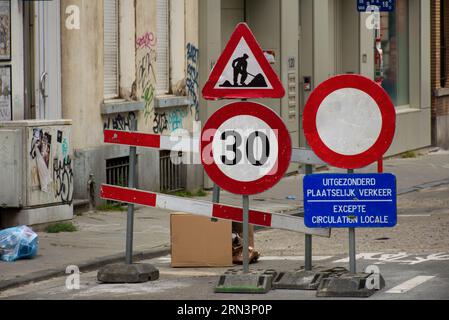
{"x":245,"y":148}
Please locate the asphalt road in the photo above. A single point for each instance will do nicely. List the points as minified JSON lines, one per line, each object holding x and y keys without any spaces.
{"x":424,"y":276}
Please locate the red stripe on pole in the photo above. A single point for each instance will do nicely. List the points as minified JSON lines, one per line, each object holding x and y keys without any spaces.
{"x":380,"y":165}
{"x":132,"y":138}
{"x":128,"y":195}
{"x":236,"y":214}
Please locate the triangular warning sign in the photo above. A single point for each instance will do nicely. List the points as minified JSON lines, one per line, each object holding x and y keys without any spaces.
{"x":243,"y":71}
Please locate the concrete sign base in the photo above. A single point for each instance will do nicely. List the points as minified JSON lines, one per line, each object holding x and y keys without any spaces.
{"x":128,"y":273}
{"x":305,"y":280}
{"x":255,"y":282}
{"x":349,"y":285}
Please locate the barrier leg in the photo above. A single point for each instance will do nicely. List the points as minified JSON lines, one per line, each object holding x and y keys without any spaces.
{"x":130,"y":214}
{"x":308,"y":237}
{"x":216,"y":194}
{"x":242,"y":281}
{"x":215,"y":198}
{"x":245,"y":234}
{"x":129,"y":272}
{"x":352,"y":259}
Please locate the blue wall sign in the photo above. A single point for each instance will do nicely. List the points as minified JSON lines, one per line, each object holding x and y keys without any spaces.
{"x":383,"y":5}
{"x":350,"y":200}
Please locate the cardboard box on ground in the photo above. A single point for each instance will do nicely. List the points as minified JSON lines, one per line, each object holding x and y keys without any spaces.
{"x":199,"y":242}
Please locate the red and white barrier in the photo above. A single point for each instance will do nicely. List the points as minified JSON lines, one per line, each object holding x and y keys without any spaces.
{"x":148,"y":140}
{"x":208,"y":209}
{"x":186,"y":144}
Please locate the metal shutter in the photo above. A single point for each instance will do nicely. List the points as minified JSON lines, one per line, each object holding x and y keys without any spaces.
{"x":162,"y":49}
{"x":111,"y":49}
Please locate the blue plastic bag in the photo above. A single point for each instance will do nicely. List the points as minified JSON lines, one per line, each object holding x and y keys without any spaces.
{"x":18,"y":243}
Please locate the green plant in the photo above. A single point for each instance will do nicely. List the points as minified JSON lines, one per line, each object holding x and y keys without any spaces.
{"x":61,"y":227}
{"x":408,"y":155}
{"x":183,"y":194}
{"x":189,"y":194}
{"x":111,"y":207}
{"x":200,"y":193}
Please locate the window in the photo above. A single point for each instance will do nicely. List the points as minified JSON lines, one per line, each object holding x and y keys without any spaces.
{"x":162,"y":47}
{"x":395,"y":46}
{"x":111,"y":49}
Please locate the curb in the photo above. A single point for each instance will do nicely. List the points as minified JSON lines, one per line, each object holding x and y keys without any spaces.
{"x":85,"y":266}
{"x":424,"y":186}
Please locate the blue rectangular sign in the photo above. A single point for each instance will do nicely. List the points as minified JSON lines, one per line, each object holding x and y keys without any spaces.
{"x":350,"y":200}
{"x":383,"y":5}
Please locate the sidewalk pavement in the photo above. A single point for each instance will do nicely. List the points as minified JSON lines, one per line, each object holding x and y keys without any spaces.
{"x":100,"y":238}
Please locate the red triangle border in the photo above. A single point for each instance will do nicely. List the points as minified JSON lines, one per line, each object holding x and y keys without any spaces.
{"x":210,"y":93}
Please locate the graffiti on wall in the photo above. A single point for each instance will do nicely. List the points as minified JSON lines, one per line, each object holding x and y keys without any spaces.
{"x":63,"y":170}
{"x":147,"y":40}
{"x":146,"y":79}
{"x":175,"y":118}
{"x":169,"y":121}
{"x":148,"y":97}
{"x":52,"y":171}
{"x":192,"y":77}
{"x":119,"y":121}
{"x":40,"y":151}
{"x":63,"y":179}
{"x":145,"y":72}
{"x":160,"y":123}
{"x":146,"y":76}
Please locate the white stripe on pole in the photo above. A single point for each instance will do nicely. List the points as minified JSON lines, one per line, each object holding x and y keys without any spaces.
{"x":179,"y":204}
{"x":291,"y":223}
{"x":305,"y":156}
{"x":179,"y":143}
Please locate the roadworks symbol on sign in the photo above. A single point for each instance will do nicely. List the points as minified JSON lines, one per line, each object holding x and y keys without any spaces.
{"x":243,"y":71}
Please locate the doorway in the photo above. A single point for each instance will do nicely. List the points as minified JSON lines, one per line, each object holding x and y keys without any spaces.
{"x":42,"y":60}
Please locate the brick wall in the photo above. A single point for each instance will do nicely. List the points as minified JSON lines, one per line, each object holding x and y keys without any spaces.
{"x":435,"y":43}
{"x":440,"y":105}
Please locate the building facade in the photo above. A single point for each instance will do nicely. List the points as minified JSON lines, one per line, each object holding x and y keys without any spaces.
{"x":103,"y":63}
{"x":326,"y":38}
{"x":130,"y":60}
{"x":440,"y":69}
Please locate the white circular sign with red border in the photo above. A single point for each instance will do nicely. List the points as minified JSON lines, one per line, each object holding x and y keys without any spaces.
{"x":245,"y":148}
{"x":349,"y":121}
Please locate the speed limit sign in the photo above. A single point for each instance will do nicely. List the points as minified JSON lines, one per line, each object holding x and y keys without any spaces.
{"x":245,"y":148}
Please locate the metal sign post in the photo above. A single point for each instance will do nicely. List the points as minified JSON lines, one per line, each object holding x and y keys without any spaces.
{"x":129,"y":272}
{"x":216,"y":194}
{"x":131,"y":184}
{"x":352,"y":254}
{"x":308,"y":237}
{"x":245,"y":234}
